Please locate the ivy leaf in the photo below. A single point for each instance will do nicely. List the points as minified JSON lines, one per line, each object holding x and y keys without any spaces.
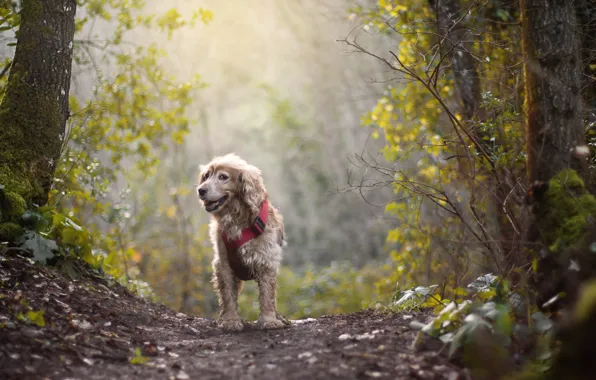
{"x":484,"y":282}
{"x":542,"y":322}
{"x":33,"y":220}
{"x":473,"y":324}
{"x":43,"y":249}
{"x":418,"y":294}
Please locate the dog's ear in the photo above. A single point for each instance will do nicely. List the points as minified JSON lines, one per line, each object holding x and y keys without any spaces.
{"x":252,"y":187}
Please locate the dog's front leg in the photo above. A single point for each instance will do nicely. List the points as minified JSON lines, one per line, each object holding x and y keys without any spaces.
{"x":226,"y":288}
{"x":267,"y":285}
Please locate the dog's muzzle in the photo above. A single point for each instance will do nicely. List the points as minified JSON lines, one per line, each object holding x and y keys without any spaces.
{"x":211,"y":206}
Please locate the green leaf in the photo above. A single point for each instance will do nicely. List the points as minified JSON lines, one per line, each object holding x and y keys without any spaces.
{"x":138,"y":358}
{"x":43,"y":249}
{"x":484,"y":282}
{"x":33,"y":220}
{"x":36,"y":317}
{"x":416,"y":295}
{"x":473,"y":324}
{"x":541,"y":322}
{"x":33,"y":317}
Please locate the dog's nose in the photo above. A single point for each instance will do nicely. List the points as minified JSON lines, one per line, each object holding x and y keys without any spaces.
{"x":202,"y":192}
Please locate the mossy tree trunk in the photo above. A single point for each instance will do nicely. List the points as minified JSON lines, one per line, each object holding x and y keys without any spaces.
{"x":554,"y":130}
{"x":34,"y":109}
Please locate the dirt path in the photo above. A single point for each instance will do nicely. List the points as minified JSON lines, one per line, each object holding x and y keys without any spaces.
{"x":92,"y":331}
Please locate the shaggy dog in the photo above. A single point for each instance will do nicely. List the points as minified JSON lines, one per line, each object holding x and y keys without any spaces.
{"x":247,"y":236}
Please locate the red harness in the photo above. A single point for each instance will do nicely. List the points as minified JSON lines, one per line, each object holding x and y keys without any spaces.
{"x":249,"y":233}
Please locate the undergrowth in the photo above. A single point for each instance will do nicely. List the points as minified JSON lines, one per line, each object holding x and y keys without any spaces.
{"x":491,"y":320}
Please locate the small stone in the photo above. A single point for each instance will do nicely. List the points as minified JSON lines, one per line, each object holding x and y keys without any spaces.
{"x":305,"y":355}
{"x":31,"y":333}
{"x":182,"y":376}
{"x":10,"y":325}
{"x":192,"y":330}
{"x":84,"y":325}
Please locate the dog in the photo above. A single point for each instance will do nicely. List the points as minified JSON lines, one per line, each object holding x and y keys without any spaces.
{"x":247,"y":234}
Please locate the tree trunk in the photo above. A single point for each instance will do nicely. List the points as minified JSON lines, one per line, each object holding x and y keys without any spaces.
{"x":586,"y":14}
{"x":560,"y":208}
{"x":552,"y":80}
{"x":34,"y":109}
{"x":453,"y":34}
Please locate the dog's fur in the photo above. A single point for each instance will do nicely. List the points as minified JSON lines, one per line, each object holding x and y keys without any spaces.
{"x":233,"y":191}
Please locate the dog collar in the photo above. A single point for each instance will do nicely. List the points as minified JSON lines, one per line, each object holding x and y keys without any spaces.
{"x":251,"y":232}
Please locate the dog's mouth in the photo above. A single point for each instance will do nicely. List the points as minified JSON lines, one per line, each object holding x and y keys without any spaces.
{"x":211,"y":206}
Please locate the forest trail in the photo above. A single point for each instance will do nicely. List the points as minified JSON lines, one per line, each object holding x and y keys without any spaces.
{"x":93,"y":329}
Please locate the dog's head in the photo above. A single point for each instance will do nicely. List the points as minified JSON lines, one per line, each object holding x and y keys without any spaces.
{"x":227,"y":179}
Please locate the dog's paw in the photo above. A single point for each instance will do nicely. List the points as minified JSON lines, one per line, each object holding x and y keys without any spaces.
{"x":231,"y":325}
{"x":270,"y":324}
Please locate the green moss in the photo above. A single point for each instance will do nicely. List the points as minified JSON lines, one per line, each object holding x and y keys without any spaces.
{"x":568,"y":207}
{"x":10,"y":231}
{"x":13,"y":206}
{"x":15,"y":181}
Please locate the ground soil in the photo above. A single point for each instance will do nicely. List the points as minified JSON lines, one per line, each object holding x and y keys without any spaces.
{"x":95,"y":329}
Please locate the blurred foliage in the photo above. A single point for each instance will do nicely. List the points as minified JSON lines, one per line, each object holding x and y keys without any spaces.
{"x":488,"y":319}
{"x":313,"y":292}
{"x":443,"y":199}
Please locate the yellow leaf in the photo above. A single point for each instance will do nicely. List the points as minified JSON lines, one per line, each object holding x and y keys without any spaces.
{"x":171,"y":212}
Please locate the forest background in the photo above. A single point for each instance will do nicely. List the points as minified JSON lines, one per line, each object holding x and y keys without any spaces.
{"x":391,"y":135}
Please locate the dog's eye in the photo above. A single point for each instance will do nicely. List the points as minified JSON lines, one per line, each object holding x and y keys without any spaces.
{"x":206,"y":176}
{"x":223,"y":177}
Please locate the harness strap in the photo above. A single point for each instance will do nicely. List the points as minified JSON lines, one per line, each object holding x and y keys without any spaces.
{"x":249,"y":233}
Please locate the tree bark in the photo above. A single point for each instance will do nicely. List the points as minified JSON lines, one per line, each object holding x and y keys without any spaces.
{"x":586,"y":14}
{"x":552,"y":72}
{"x":34,"y":109}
